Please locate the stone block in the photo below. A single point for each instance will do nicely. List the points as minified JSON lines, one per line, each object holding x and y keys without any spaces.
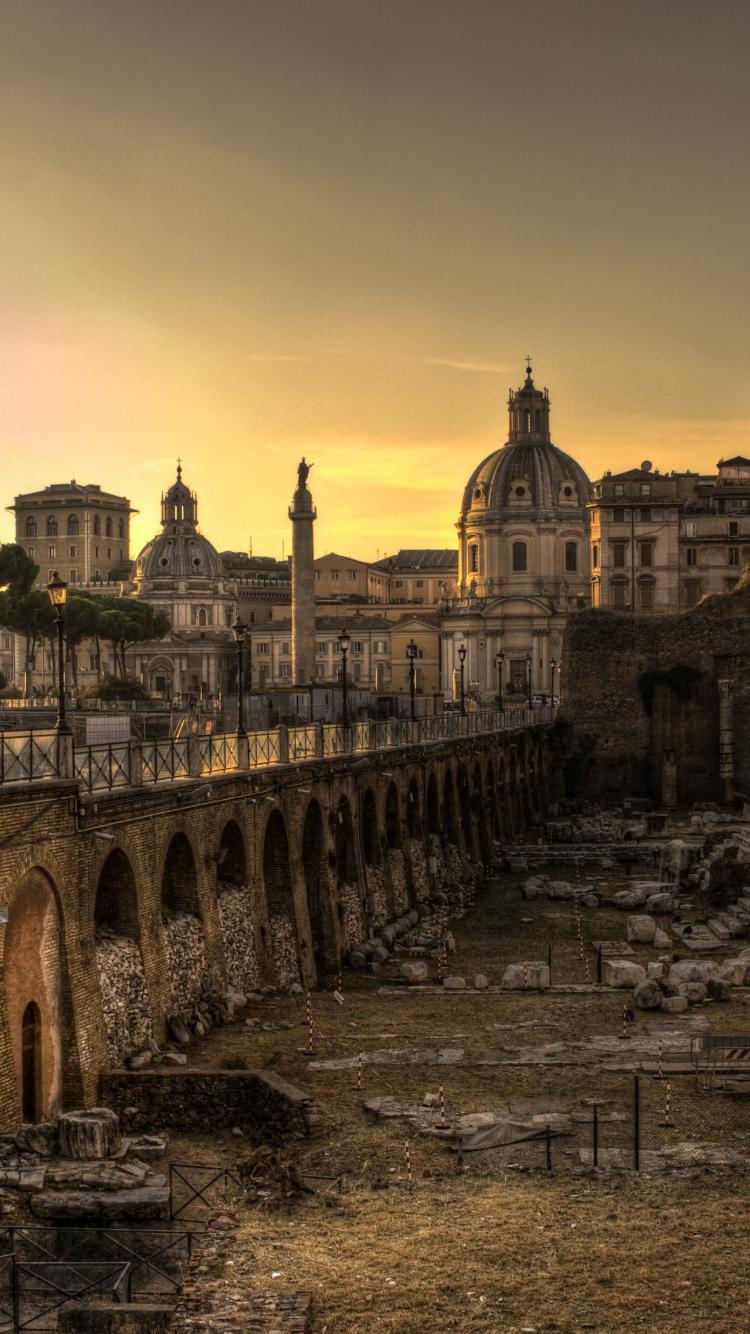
{"x":674,"y":1004}
{"x":656,"y":970}
{"x":532,"y":975}
{"x":560,"y":889}
{"x":661,"y":903}
{"x":454,"y":983}
{"x":143,"y":1205}
{"x":693,"y":970}
{"x":735,"y":971}
{"x":648,"y":995}
{"x":480,"y":982}
{"x":622,"y":973}
{"x":641,"y":929}
{"x":662,"y":939}
{"x":414,"y":972}
{"x":694,"y":992}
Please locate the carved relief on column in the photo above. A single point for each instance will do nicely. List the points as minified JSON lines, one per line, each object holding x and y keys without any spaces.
{"x":726,"y":740}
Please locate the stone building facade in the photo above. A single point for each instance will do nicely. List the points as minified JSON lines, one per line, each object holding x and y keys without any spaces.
{"x":523,"y":556}
{"x":81,"y":531}
{"x":662,"y":541}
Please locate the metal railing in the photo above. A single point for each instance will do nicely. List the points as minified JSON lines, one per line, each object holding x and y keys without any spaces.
{"x":27,"y":757}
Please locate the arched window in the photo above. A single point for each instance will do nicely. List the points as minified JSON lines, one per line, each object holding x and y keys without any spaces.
{"x":571,"y":556}
{"x":97,"y":526}
{"x":52,"y":526}
{"x":120,"y":528}
{"x":109,"y":526}
{"x":474,"y":558}
{"x":537,"y":420}
{"x":520,"y":556}
{"x":202,"y":616}
{"x":72,"y":525}
{"x":527,"y":416}
{"x":31,"y":526}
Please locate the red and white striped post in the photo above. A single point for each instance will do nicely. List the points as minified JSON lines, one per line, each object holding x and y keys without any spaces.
{"x":668,"y":1121}
{"x":358,"y":1085}
{"x":407,"y":1161}
{"x":308,"y":1008}
{"x":625,"y":1034}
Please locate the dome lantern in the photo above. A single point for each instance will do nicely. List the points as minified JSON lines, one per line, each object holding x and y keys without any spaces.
{"x":179,"y":507}
{"x":528,"y":411}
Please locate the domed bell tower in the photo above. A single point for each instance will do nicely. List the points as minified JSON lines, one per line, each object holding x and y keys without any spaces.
{"x":528,"y":412}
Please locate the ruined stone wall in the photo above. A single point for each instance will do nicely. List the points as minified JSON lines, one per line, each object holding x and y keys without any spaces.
{"x":107,"y":980}
{"x":618,"y":740}
{"x":183,"y":1099}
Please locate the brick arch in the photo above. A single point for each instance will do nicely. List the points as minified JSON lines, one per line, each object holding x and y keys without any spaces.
{"x":283,"y":944}
{"x":116,"y":897}
{"x":34,"y":973}
{"x":317,"y":888}
{"x":231,"y":857}
{"x":179,"y":876}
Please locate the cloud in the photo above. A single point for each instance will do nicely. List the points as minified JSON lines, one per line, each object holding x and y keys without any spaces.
{"x":488,"y":367}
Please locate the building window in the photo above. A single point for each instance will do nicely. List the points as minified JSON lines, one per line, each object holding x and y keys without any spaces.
{"x":474,"y":558}
{"x":619,"y":489}
{"x":52,"y":526}
{"x":595,"y":555}
{"x":72,"y":525}
{"x":571,"y":556}
{"x":619,"y":594}
{"x":285,"y":650}
{"x":398,"y":583}
{"x":262,"y":648}
{"x":647,"y":554}
{"x":692,"y":592}
{"x":30,"y":552}
{"x":734,"y":555}
{"x":351,"y":574}
{"x":108,"y":526}
{"x":97,"y":526}
{"x":419,"y":583}
{"x":31,"y":526}
{"x":73,"y":577}
{"x":357,"y":646}
{"x":618,"y":555}
{"x":618,"y":516}
{"x":645,"y":488}
{"x":285,"y":670}
{"x":321,"y":646}
{"x":72,"y":549}
{"x":734,"y":528}
{"x":51,"y":553}
{"x":644,"y":515}
{"x":334,"y":574}
{"x":202,"y":616}
{"x":380,"y":646}
{"x":120,"y":527}
{"x":317,"y":576}
{"x":520,"y":556}
{"x":690,"y":529}
{"x":691,"y":556}
{"x":646,"y":594}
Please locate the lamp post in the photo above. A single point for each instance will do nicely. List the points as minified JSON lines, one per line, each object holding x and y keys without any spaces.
{"x":411,"y":653}
{"x":528,"y":678}
{"x":462,"y":660}
{"x":238,"y":630}
{"x":499,"y":660}
{"x":344,"y":641}
{"x":58,"y":592}
{"x":556,"y":667}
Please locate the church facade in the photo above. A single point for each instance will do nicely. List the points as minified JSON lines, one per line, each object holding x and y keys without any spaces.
{"x":523,"y":560}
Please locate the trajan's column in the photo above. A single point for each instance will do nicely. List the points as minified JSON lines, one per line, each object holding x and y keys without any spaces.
{"x":302,"y":514}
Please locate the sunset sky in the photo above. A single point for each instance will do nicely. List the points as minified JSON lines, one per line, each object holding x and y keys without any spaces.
{"x":240,"y":231}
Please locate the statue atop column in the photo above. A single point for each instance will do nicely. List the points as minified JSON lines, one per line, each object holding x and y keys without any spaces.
{"x":303,"y":472}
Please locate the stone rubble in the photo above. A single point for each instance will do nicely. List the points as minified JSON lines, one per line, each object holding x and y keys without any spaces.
{"x":398,"y":881}
{"x":377,"y":902}
{"x":238,"y":937}
{"x":284,"y":952}
{"x":187,"y":959}
{"x":125,"y":1003}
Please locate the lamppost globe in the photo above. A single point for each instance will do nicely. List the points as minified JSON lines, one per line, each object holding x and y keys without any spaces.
{"x":238,"y":629}
{"x":462,"y":661}
{"x":344,"y":642}
{"x":499,"y":660}
{"x":411,"y":654}
{"x":57,"y":590}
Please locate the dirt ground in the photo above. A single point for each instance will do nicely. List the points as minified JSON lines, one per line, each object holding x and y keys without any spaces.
{"x":505,"y":1245}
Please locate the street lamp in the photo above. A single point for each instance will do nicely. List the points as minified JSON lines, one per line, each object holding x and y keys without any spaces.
{"x":499,"y":660}
{"x":238,"y":630}
{"x":528,"y":677}
{"x":556,"y":667}
{"x":344,"y":642}
{"x":411,"y":653}
{"x":462,"y":660}
{"x":58,"y":592}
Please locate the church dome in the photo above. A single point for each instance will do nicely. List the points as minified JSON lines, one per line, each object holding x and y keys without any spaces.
{"x":179,"y":551}
{"x":527,"y":472}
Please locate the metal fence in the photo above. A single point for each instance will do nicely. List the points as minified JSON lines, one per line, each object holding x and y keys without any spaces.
{"x":30,"y":756}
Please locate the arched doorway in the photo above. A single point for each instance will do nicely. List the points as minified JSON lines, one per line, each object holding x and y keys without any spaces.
{"x":182,"y":925}
{"x":396,"y":860}
{"x":31,"y":1058}
{"x":236,"y":911}
{"x":316,"y":886}
{"x":376,"y":904}
{"x":277,"y":878}
{"x":35,"y":995}
{"x":347,"y":891}
{"x":122,"y":980}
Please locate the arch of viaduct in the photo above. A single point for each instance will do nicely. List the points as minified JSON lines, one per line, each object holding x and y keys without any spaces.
{"x":122,"y":911}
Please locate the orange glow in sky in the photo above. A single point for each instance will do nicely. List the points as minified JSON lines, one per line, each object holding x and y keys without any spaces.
{"x":244,"y":231}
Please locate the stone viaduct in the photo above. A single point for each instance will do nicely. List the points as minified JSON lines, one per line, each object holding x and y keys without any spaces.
{"x":121,"y":907}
